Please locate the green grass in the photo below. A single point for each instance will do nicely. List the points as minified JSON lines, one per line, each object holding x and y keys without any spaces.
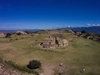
{"x":76,"y":54}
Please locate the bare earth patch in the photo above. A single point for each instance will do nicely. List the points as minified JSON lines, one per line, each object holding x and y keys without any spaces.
{"x":3,"y":46}
{"x":48,"y":70}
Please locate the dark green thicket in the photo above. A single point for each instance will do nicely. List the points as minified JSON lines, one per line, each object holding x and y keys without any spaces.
{"x":18,"y":33}
{"x":8,"y":35}
{"x":34,"y":64}
{"x":83,"y":31}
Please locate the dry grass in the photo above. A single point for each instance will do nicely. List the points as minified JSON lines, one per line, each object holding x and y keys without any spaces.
{"x":76,"y":54}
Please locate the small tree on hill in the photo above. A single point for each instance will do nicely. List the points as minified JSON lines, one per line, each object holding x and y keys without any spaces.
{"x":8,"y":35}
{"x":18,"y":33}
{"x":34,"y":64}
{"x":83,"y":31}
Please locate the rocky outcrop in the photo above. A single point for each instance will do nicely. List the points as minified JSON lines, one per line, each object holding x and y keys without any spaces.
{"x":94,"y":37}
{"x":22,"y":32}
{"x":69,"y":31}
{"x":53,"y":42}
{"x":7,"y":70}
{"x":2,"y":34}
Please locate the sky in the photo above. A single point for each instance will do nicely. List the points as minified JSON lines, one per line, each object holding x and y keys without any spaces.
{"x":46,"y":14}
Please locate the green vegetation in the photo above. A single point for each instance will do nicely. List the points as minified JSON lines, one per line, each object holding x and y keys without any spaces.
{"x":83,"y":31}
{"x":8,"y":35}
{"x":76,"y":55}
{"x":34,"y":64}
{"x":20,"y":68}
{"x":18,"y":33}
{"x":17,"y":67}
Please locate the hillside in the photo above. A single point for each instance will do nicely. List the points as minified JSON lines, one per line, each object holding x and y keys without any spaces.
{"x":75,"y":57}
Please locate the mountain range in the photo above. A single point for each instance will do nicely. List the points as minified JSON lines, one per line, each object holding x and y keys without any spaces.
{"x":94,"y":29}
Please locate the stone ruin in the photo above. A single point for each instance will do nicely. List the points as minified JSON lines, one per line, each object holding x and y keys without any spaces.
{"x":54,"y":42}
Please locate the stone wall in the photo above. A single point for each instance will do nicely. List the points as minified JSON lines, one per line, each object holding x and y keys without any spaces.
{"x":53,"y":42}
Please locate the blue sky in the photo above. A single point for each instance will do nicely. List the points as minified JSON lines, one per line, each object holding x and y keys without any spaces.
{"x":32,"y":14}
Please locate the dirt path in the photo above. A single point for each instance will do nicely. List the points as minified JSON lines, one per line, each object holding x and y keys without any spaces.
{"x":48,"y":69}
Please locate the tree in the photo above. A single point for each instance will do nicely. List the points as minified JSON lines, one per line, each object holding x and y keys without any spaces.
{"x":34,"y":64}
{"x":18,"y":33}
{"x":83,"y":31}
{"x":8,"y":35}
{"x":74,"y":31}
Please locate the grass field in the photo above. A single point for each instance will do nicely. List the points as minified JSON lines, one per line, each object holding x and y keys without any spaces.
{"x":76,"y":55}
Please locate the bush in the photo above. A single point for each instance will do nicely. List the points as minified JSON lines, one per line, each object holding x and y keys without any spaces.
{"x":16,"y":39}
{"x":83,"y":31}
{"x":8,"y":35}
{"x":34,"y":64}
{"x":18,"y":33}
{"x":20,"y":68}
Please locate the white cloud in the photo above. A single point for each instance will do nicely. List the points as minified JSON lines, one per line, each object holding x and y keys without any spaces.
{"x":88,"y":24}
{"x":98,"y":24}
{"x":93,"y":25}
{"x":69,"y":26}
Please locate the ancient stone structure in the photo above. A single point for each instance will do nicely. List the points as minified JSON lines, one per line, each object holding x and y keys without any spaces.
{"x":53,"y":42}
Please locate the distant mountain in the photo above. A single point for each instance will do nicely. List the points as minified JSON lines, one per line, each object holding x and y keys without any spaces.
{"x":94,"y":29}
{"x":12,"y":31}
{"x":8,"y":31}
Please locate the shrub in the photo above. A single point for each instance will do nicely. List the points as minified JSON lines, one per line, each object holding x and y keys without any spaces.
{"x":34,"y":64}
{"x":20,"y":68}
{"x":16,"y":39}
{"x":18,"y":33}
{"x":8,"y":35}
{"x":83,"y":31}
